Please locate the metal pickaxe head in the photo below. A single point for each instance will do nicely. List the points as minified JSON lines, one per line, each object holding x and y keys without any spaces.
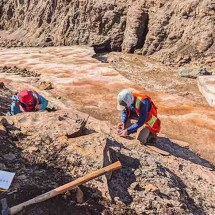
{"x":5,"y":208}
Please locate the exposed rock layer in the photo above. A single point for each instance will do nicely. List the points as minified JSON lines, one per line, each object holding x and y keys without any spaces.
{"x":171,"y":31}
{"x":38,"y":148}
{"x":76,"y":76}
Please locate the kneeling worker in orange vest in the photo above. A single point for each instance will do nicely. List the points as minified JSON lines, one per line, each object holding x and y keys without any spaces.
{"x":27,"y":101}
{"x":138,"y":106}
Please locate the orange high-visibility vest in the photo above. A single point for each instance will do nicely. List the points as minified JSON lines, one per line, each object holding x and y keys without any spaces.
{"x":30,"y":107}
{"x":152,"y":122}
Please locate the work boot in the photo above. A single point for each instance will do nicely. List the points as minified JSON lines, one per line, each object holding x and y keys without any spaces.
{"x":152,"y":138}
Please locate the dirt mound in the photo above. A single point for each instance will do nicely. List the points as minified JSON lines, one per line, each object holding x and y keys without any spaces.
{"x":49,"y":149}
{"x":36,"y":173}
{"x":154,"y":77}
{"x":17,"y":71}
{"x":171,"y":31}
{"x":5,"y":99}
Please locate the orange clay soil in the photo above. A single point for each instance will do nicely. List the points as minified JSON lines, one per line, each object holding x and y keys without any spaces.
{"x":91,"y":86}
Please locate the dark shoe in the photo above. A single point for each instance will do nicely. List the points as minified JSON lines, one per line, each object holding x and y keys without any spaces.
{"x":152,"y":138}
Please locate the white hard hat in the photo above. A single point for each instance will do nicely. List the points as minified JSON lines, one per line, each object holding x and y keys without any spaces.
{"x":124,"y":99}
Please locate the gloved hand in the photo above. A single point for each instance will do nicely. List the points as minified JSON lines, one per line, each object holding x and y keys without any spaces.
{"x":37,"y":107}
{"x":123,"y":133}
{"x":121,"y":126}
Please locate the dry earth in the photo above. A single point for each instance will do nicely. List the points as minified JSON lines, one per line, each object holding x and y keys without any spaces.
{"x":72,"y":70}
{"x":51,"y":148}
{"x":48,"y":149}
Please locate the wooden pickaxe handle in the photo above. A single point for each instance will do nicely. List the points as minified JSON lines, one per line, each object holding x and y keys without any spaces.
{"x":64,"y":188}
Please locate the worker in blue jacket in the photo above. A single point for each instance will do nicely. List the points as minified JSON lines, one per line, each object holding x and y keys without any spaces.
{"x":27,"y":101}
{"x":137,"y":106}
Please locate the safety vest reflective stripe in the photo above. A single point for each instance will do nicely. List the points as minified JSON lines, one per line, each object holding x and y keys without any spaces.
{"x":137,"y":103}
{"x":35,"y":95}
{"x":19,"y":105}
{"x":152,"y":121}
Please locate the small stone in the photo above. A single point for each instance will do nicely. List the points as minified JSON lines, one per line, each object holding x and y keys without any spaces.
{"x":9,"y":156}
{"x":22,"y":177}
{"x":45,"y":85}
{"x":199,"y":178}
{"x":32,"y":149}
{"x":2,"y":86}
{"x":136,"y":186}
{"x":116,"y":199}
{"x":179,"y":58}
{"x":180,"y":167}
{"x":2,"y":166}
{"x":137,"y":172}
{"x":2,"y":128}
{"x":151,"y":188}
{"x":79,"y":195}
{"x":133,"y":185}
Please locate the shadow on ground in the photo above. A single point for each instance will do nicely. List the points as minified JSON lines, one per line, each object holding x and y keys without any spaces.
{"x":176,"y":182}
{"x":33,"y":179}
{"x":5,"y":100}
{"x":120,"y":180}
{"x":182,"y":152}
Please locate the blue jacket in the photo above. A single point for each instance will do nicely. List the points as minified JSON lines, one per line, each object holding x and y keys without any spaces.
{"x":145,"y":107}
{"x":14,"y":108}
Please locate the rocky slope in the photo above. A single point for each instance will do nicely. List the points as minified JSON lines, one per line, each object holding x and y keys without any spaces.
{"x":170,"y":31}
{"x":79,"y":80}
{"x":49,"y":149}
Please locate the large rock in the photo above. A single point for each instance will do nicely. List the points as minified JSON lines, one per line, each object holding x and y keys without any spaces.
{"x":193,"y":72}
{"x":207,"y":88}
{"x":172,"y":31}
{"x":136,"y":27}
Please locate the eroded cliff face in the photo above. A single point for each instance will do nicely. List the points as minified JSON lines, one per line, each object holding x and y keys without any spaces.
{"x":181,"y":30}
{"x":61,"y":22}
{"x":171,"y":31}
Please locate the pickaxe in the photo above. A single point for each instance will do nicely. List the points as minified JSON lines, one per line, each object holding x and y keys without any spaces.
{"x":59,"y":190}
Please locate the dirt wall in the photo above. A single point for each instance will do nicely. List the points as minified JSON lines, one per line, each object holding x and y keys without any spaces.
{"x":170,"y":31}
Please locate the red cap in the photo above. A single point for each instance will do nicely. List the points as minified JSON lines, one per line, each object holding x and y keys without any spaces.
{"x":25,"y":97}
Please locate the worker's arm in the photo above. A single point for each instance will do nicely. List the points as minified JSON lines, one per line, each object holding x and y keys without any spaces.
{"x":144,"y":108}
{"x":124,"y":116}
{"x":14,"y":109}
{"x":42,"y":102}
